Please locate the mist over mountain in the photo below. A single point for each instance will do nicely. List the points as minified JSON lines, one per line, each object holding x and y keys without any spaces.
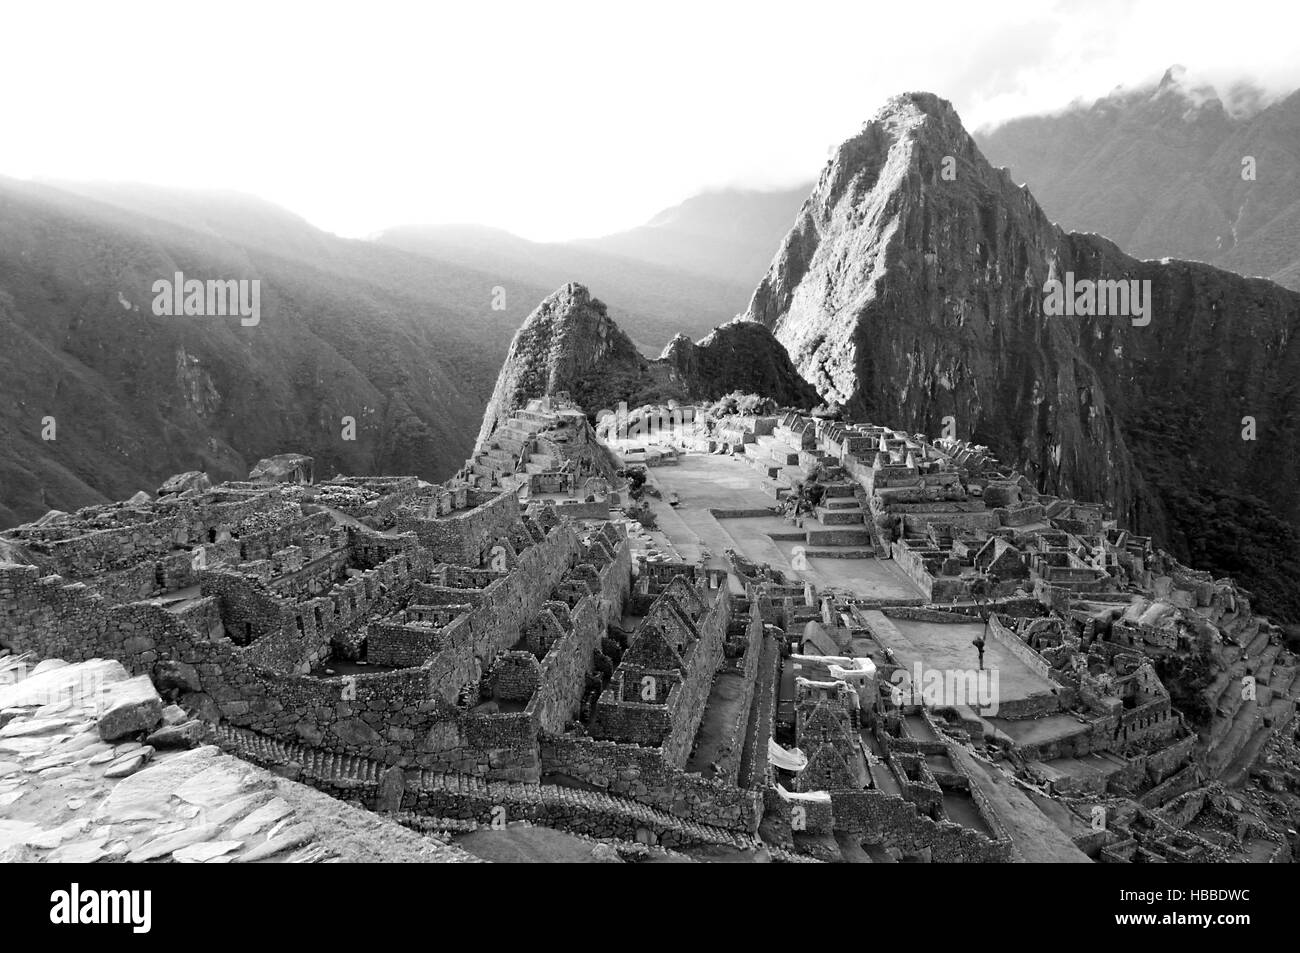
{"x":910,"y":290}
{"x":1159,"y":171}
{"x":727,"y":234}
{"x":652,"y":301}
{"x":406,"y":347}
{"x":687,"y":270}
{"x":406,"y":343}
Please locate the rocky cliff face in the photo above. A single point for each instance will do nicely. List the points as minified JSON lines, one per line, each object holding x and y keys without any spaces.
{"x":565,"y":346}
{"x":736,"y":356}
{"x":911,"y":289}
{"x":570,"y":345}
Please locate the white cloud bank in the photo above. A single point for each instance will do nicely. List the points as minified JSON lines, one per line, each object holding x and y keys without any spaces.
{"x":556,"y":120}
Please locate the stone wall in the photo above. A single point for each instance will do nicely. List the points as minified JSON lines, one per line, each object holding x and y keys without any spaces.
{"x":401,"y":717}
{"x":757,"y":772}
{"x":733,"y":753}
{"x":913,"y":564}
{"x":76,"y":549}
{"x":464,"y":538}
{"x":563,"y":670}
{"x":645,"y":774}
{"x":893,"y":822}
{"x":697,"y":680}
{"x":400,"y":646}
{"x":515,"y":676}
{"x":582,"y":510}
{"x":1017,"y":646}
{"x":505,"y":607}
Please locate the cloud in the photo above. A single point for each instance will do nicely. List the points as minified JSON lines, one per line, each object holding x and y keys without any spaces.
{"x":563,"y":119}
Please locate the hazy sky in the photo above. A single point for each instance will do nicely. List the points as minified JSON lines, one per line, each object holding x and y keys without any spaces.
{"x":554,"y":119}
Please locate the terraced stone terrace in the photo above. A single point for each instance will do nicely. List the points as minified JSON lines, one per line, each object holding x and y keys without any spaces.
{"x":710,"y":487}
{"x":948,"y":646}
{"x":443,"y":653}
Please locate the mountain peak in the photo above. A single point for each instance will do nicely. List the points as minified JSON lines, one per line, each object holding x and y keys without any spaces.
{"x":570,"y":346}
{"x":559,"y":349}
{"x":910,"y":289}
{"x":1173,"y":77}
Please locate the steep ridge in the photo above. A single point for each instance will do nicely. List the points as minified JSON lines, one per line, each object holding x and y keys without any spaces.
{"x":570,"y":345}
{"x":736,"y":356}
{"x":911,"y":289}
{"x":1171,"y":169}
{"x":405,"y":347}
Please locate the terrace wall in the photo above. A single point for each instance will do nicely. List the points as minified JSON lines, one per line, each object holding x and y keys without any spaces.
{"x":465,"y":538}
{"x":733,"y":754}
{"x":645,"y":774}
{"x":893,"y":822}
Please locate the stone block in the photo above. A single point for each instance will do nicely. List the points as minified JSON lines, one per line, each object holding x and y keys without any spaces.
{"x":132,"y":706}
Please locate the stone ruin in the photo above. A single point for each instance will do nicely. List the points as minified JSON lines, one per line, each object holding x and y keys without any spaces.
{"x":460,"y":652}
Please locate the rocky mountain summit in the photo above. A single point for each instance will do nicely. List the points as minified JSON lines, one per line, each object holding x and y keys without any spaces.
{"x":912,"y":289}
{"x":570,"y":345}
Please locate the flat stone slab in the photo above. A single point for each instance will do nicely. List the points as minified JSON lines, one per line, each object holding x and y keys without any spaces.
{"x":81,"y":686}
{"x":34,"y":726}
{"x":56,"y":760}
{"x":56,"y":806}
{"x":80,"y":852}
{"x":202,"y":853}
{"x":55,"y":836}
{"x":212,"y":788}
{"x":293,"y":836}
{"x":237,"y":807}
{"x":186,"y":735}
{"x":162,"y":846}
{"x":146,"y":794}
{"x":264,"y":816}
{"x":129,"y":763}
{"x":16,"y":832}
{"x":132,"y":706}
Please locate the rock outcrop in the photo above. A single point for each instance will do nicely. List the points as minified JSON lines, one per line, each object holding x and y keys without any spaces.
{"x":132,"y":706}
{"x":911,"y":289}
{"x":284,"y":468}
{"x":183,"y":482}
{"x":570,"y":346}
{"x":737,"y":356}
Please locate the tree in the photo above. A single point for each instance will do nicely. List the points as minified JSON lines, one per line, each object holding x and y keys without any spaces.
{"x":635,"y":482}
{"x":982,"y":590}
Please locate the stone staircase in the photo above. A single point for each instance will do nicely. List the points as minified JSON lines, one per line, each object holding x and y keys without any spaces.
{"x":840,"y":519}
{"x":514,"y":441}
{"x":469,"y":798}
{"x":578,"y":810}
{"x":318,"y":767}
